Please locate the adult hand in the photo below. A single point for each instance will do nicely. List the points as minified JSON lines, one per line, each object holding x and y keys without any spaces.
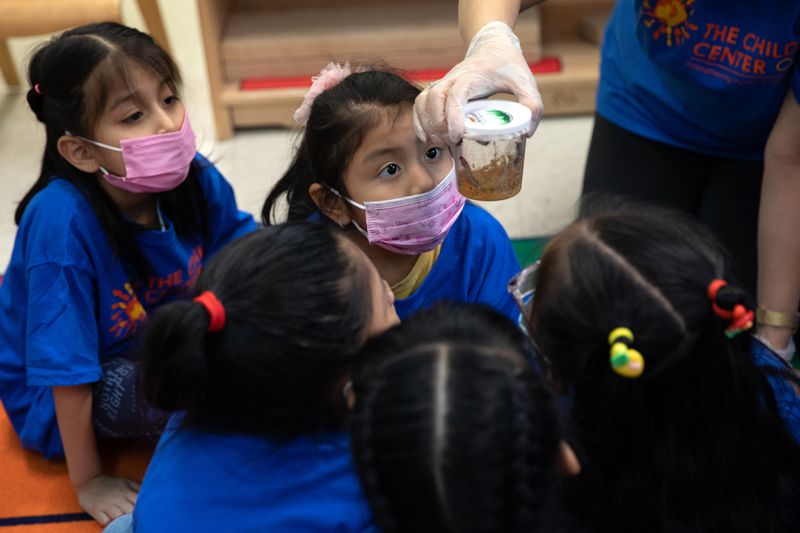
{"x":494,"y":63}
{"x":105,"y":497}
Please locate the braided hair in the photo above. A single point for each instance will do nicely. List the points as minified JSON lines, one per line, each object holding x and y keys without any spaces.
{"x":452,"y":429}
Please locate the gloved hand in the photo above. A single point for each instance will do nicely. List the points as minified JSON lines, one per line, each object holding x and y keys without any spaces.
{"x":494,"y":63}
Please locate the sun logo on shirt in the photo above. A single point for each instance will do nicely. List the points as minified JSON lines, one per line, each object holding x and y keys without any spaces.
{"x":128,"y":312}
{"x":671,"y":17}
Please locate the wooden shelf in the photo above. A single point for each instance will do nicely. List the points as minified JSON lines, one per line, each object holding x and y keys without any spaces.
{"x":245,"y":40}
{"x":259,"y":41}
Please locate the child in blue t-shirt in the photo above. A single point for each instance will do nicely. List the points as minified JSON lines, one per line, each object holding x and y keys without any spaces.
{"x":361,"y":165}
{"x":257,"y":364}
{"x":122,"y":219}
{"x":452,"y":427}
{"x":686,"y":422}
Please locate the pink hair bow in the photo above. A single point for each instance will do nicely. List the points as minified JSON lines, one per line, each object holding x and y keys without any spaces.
{"x":329,"y":77}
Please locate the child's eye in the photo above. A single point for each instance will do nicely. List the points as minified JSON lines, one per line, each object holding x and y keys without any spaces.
{"x":390,"y":170}
{"x":130,"y":119}
{"x":433,"y":152}
{"x":171,"y":99}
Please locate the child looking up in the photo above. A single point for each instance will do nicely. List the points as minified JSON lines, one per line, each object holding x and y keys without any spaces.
{"x":361,"y":165}
{"x":452,"y":429}
{"x":688,"y":423}
{"x":257,"y":364}
{"x":121,"y":220}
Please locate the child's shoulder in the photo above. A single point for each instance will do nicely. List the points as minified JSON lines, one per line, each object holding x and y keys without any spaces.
{"x":477,"y":222}
{"x":207,"y":170}
{"x":210,"y":178}
{"x":58,"y":216}
{"x":59,"y":203}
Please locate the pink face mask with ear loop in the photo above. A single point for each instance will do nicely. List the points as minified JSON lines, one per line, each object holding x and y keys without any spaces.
{"x":413,"y":224}
{"x":154,"y":163}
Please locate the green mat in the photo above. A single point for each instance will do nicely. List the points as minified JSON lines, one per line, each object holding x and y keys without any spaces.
{"x":529,"y":250}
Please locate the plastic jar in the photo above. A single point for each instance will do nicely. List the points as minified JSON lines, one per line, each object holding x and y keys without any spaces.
{"x":490,"y":158}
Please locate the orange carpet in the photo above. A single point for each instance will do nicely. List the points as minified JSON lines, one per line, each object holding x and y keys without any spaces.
{"x":36,"y":495}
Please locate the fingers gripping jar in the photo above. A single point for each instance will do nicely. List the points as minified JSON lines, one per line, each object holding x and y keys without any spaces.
{"x":490,"y":158}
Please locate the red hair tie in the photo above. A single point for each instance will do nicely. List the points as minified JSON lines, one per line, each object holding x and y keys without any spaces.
{"x":36,"y":88}
{"x":216,"y":311}
{"x":741,"y":318}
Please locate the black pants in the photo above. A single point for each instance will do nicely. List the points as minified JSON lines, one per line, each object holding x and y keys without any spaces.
{"x":119,"y":410}
{"x":723,"y":193}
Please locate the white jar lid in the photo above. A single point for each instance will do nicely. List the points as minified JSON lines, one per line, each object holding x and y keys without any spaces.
{"x":489,"y":119}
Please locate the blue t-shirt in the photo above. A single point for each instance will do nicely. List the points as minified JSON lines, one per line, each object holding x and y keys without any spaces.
{"x":475,"y":265}
{"x":708,"y":76}
{"x":787,"y":398}
{"x":202,"y":481}
{"x":66,"y":304}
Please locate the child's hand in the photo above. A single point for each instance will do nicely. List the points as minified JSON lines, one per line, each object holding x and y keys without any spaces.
{"x":105,"y":497}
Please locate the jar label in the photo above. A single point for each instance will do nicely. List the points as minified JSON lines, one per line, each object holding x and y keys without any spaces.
{"x":489,"y":117}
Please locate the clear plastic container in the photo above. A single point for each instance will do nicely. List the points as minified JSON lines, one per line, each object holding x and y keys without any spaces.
{"x":490,"y":158}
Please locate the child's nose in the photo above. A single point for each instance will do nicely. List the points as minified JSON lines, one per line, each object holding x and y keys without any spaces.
{"x":422,"y":180}
{"x":168,"y":122}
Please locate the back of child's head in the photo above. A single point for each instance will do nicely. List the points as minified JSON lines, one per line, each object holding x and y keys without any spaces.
{"x":338,"y":120}
{"x":72,"y":77}
{"x":452,"y":430}
{"x":697,"y":434}
{"x":293,"y":299}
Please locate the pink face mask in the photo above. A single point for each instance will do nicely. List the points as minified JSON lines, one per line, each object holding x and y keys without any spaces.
{"x":413,"y":224}
{"x":155,"y":163}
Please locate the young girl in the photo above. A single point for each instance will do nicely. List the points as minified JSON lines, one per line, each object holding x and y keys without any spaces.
{"x":453,"y":431}
{"x":361,"y":166}
{"x":121,"y":220}
{"x":258,"y":363}
{"x":688,"y":423}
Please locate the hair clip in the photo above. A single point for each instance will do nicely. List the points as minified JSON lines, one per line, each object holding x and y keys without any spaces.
{"x":329,"y":77}
{"x":741,"y":318}
{"x":624,"y":360}
{"x":37,"y":90}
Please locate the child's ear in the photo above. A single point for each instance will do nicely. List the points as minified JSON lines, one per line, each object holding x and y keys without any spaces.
{"x":349,"y":394}
{"x":568,"y":463}
{"x":333,"y":208}
{"x":77,"y":154}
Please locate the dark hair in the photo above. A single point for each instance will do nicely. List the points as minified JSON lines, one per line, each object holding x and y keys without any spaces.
{"x":71,"y":78}
{"x":293,"y":323}
{"x":340,"y":117}
{"x":452,"y":430}
{"x":696,"y":443}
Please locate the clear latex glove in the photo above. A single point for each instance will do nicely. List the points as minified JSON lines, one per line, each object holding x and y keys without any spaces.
{"x":494,"y":63}
{"x":105,"y":497}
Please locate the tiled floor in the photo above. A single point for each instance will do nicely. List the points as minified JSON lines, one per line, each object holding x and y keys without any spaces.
{"x":253,"y":160}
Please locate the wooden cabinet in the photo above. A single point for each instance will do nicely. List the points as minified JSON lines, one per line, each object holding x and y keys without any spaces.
{"x":285,"y":42}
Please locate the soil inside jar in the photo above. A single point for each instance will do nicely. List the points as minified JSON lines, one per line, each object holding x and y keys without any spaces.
{"x":500,"y":179}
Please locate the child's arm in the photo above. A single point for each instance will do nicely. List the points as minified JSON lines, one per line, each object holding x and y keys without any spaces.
{"x":103,"y":497}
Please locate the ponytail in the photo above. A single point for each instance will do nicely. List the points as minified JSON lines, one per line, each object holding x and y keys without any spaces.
{"x":175,"y":368}
{"x":269,"y":336}
{"x":702,"y":419}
